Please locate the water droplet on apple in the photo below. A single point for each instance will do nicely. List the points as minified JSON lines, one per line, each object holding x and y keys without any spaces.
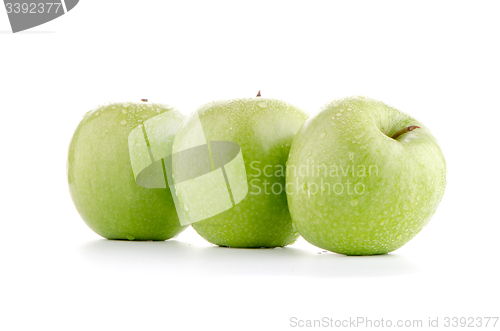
{"x":123,"y":122}
{"x":371,"y":224}
{"x":323,"y":135}
{"x":124,"y":111}
{"x":129,"y":237}
{"x":354,"y":202}
{"x":262,"y":105}
{"x":309,"y":154}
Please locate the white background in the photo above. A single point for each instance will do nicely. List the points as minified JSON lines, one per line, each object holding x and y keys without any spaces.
{"x":438,"y":61}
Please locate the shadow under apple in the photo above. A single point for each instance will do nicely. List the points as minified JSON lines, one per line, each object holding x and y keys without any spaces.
{"x":185,"y":260}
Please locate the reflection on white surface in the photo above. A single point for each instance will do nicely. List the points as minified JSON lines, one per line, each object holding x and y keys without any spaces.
{"x":182,"y":259}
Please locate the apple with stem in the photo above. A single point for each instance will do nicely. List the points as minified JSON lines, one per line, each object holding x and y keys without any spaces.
{"x":363,"y":178}
{"x":101,"y":177}
{"x":264,"y":129}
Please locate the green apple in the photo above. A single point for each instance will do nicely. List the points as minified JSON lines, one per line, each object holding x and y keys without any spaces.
{"x":363,"y":178}
{"x":101,"y":179}
{"x":264,"y":129}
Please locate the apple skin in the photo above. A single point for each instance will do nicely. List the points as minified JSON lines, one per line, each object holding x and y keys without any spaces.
{"x":101,"y":180}
{"x":264,"y":129}
{"x":401,"y":193}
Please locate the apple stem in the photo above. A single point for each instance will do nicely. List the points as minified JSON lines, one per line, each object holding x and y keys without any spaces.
{"x":144,"y":100}
{"x":405,"y":130}
{"x":258,"y":94}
